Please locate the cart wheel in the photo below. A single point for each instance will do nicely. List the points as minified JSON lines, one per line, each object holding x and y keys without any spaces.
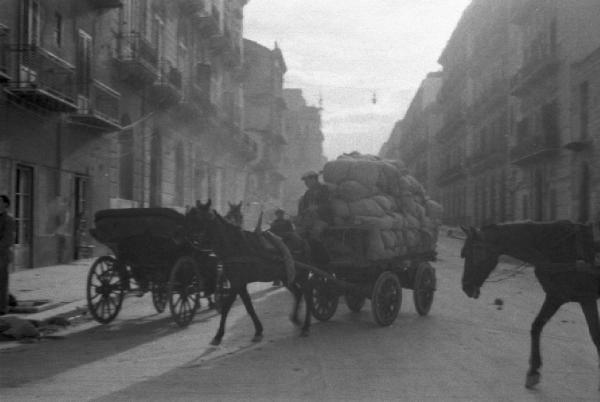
{"x":160,"y":296}
{"x":324,"y":297}
{"x":386,"y":298}
{"x":423,"y":288}
{"x":104,"y":289}
{"x":354,"y":302}
{"x":184,"y":287}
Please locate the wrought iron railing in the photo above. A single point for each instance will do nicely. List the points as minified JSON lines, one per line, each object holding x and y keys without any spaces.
{"x":39,"y":69}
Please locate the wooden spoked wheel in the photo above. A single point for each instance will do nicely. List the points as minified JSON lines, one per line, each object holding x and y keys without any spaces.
{"x":355,"y":302}
{"x":386,"y":298}
{"x":160,"y":295}
{"x":185,"y":283}
{"x":424,"y":288}
{"x":104,"y":291}
{"x":325,"y":298}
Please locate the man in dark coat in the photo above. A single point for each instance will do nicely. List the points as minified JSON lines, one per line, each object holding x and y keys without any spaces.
{"x":7,"y":228}
{"x":314,"y":208}
{"x":281,"y":226}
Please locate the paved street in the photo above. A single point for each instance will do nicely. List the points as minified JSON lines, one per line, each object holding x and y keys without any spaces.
{"x":464,"y":350}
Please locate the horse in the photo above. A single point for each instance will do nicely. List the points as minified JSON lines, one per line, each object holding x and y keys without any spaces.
{"x":562,"y":253}
{"x":234,"y":215}
{"x":246,"y":260}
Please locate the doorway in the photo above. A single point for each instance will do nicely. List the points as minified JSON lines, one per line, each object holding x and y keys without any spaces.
{"x":23,"y":217}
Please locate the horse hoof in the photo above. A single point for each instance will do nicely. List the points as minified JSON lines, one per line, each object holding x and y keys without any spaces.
{"x":532,"y":380}
{"x":215,"y":342}
{"x":304,"y":333}
{"x":295,"y":320}
{"x":257,"y":338}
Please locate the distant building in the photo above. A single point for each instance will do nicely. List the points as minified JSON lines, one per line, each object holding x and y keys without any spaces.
{"x":264,"y":110}
{"x":304,"y":150}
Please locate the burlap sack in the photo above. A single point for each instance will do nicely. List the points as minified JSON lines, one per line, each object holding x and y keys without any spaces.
{"x":352,"y":190}
{"x":365,"y":207}
{"x":386,"y":202}
{"x":340,"y":208}
{"x":385,"y":222}
{"x":390,"y":241}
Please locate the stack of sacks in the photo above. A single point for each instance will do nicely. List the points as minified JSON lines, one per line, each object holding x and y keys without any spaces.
{"x":381,"y":195}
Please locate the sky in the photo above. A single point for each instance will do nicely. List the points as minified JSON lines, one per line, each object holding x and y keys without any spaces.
{"x":346,"y":52}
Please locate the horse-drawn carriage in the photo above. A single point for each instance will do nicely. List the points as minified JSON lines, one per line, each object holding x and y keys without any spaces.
{"x":152,"y":251}
{"x":348,"y":272}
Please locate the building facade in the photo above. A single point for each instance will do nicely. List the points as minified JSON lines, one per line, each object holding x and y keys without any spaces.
{"x":117,"y":104}
{"x":264,"y":108}
{"x":304,"y":150}
{"x":519,"y":100}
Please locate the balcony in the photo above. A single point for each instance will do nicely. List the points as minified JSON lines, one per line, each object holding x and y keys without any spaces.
{"x":531,"y":149}
{"x":221,"y":43}
{"x":101,"y":110}
{"x":480,"y":161}
{"x":137,"y":60}
{"x":208,"y":20}
{"x":452,"y":174}
{"x":104,"y":4}
{"x":41,"y":79}
{"x":167,"y":89}
{"x":534,"y":71}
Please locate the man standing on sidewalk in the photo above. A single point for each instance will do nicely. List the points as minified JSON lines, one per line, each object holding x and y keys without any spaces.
{"x":7,"y":227}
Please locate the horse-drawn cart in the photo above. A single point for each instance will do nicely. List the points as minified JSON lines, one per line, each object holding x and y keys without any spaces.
{"x":152,"y":252}
{"x":349,"y":273}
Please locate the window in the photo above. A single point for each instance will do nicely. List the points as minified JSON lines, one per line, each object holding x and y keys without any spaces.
{"x":84,"y":55}
{"x":126,"y":162}
{"x":58,"y":27}
{"x":31,"y":22}
{"x":584,"y":101}
{"x":179,"y":175}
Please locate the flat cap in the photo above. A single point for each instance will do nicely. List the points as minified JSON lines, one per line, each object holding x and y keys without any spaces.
{"x":310,"y":173}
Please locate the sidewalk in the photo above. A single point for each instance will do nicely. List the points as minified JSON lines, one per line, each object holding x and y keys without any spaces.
{"x":62,"y":287}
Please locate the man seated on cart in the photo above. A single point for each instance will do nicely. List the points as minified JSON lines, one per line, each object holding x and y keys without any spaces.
{"x":314,"y":208}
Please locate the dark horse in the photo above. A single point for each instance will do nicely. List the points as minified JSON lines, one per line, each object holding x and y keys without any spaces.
{"x":562,"y":254}
{"x":245,"y":260}
{"x":234,"y":215}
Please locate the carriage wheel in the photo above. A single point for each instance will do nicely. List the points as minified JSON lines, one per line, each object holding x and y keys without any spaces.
{"x":386,"y":298}
{"x":324,"y":298}
{"x":355,"y":302}
{"x":185,"y":283}
{"x":104,"y":289}
{"x":423,"y":288}
{"x":160,"y":296}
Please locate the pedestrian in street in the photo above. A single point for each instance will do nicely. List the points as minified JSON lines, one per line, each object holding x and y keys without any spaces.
{"x":7,"y":226}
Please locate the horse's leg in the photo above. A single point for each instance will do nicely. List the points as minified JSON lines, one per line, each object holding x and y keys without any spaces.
{"x":297,"y":296}
{"x":258,"y":335}
{"x":549,"y":308}
{"x":590,"y":310}
{"x":226,"y":306}
{"x":309,"y":306}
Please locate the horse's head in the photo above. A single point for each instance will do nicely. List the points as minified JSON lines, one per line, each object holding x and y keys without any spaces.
{"x":480,"y":259}
{"x":234,"y":215}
